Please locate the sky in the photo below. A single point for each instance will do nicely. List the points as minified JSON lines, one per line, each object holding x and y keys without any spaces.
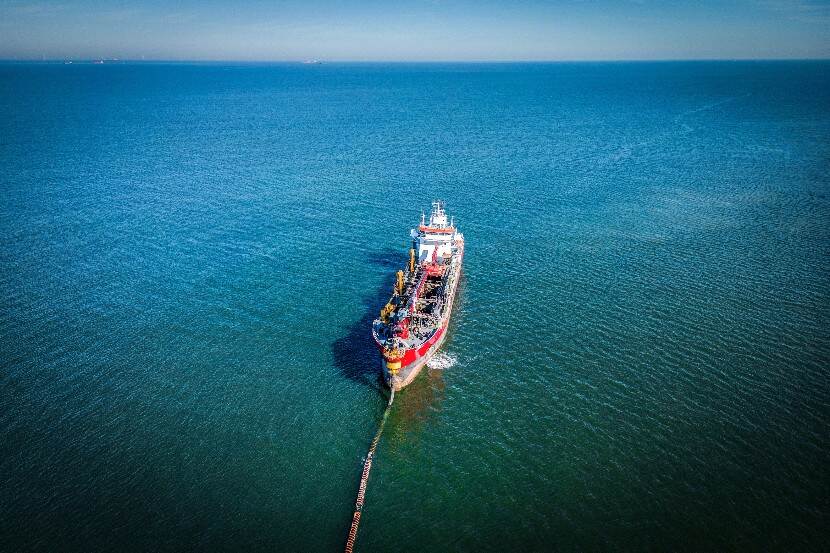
{"x":414,"y":30}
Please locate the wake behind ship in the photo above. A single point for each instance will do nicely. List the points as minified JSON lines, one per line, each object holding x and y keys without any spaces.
{"x":413,"y":324}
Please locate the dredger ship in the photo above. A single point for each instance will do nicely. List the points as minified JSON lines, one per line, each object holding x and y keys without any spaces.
{"x":413,"y":324}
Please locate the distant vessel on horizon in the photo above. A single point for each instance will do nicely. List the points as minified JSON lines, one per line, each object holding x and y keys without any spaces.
{"x":413,"y":324}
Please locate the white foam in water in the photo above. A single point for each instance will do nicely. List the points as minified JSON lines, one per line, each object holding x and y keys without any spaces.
{"x":441,"y":361}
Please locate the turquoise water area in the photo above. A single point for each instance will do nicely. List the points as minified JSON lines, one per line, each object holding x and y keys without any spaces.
{"x":192,"y":255}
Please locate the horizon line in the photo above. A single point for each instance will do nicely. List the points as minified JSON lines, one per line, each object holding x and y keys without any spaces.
{"x":321,"y":61}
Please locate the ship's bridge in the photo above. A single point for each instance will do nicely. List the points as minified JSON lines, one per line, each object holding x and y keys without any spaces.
{"x":435,"y":240}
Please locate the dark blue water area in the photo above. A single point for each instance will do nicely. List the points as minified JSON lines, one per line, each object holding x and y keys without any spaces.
{"x":192,"y":256}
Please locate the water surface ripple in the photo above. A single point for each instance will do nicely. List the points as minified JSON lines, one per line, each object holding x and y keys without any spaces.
{"x":192,"y":256}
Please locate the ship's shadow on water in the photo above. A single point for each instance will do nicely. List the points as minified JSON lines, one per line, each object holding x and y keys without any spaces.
{"x":355,"y":354}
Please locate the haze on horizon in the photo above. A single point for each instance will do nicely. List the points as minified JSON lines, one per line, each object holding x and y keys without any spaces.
{"x":415,"y":30}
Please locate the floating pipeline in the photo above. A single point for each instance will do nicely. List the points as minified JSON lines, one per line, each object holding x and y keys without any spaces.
{"x":364,"y":478}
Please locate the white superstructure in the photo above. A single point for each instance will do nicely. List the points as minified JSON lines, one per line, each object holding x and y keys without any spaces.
{"x":434,"y":241}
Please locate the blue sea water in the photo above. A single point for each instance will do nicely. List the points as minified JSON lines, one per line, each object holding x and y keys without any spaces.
{"x":192,"y":255}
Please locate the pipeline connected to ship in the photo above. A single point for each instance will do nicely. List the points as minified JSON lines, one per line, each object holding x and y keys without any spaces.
{"x":413,"y":324}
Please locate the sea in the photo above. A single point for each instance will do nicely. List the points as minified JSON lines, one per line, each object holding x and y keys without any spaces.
{"x":192,"y":256}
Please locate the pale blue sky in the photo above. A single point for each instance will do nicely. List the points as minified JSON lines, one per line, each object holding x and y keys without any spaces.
{"x":414,"y":30}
